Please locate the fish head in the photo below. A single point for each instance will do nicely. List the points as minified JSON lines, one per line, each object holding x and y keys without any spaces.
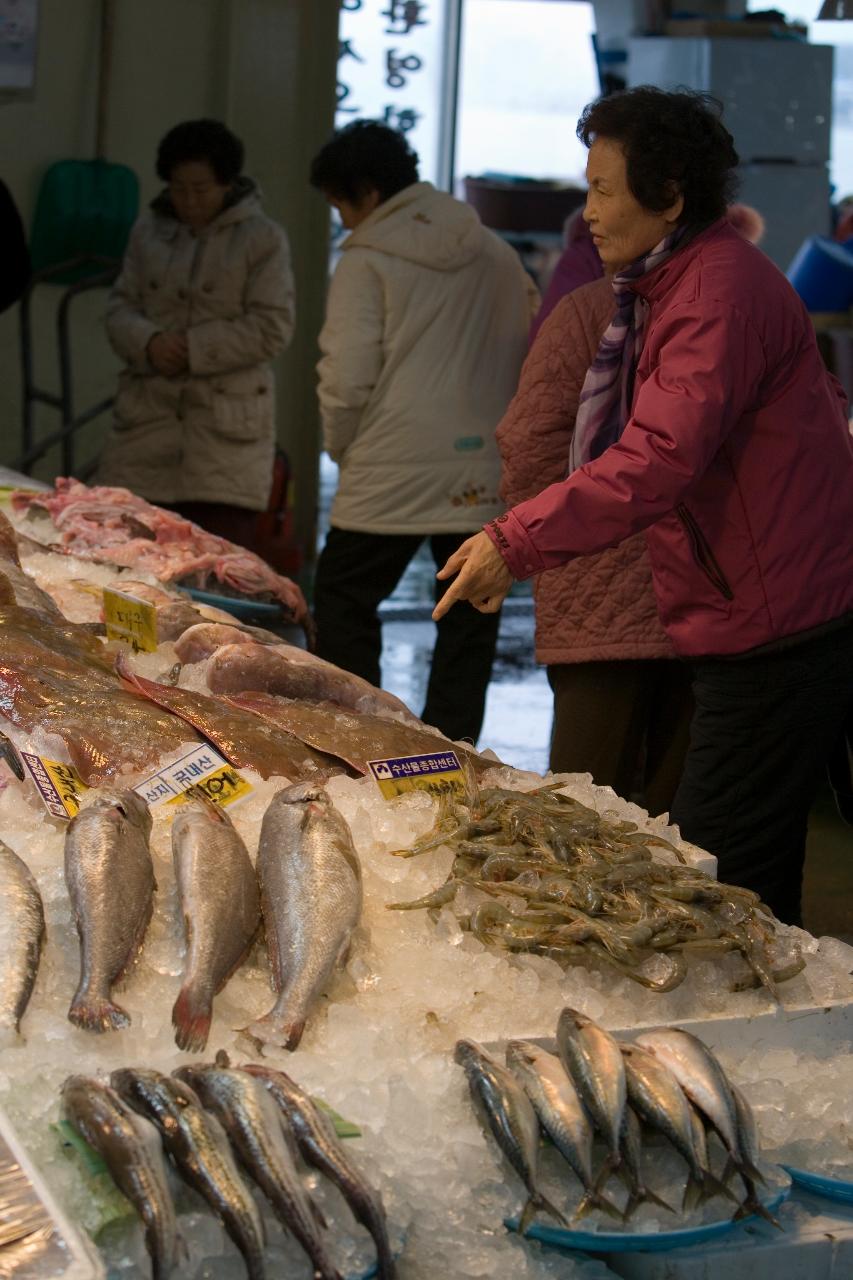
{"x":521,"y":1055}
{"x":122,"y":805}
{"x":195,"y":804}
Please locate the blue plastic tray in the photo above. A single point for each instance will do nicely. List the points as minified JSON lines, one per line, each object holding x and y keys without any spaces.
{"x":241,"y":608}
{"x":637,"y":1241}
{"x":820,"y":1185}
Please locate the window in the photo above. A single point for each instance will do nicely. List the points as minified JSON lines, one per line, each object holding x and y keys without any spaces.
{"x":527,"y":70}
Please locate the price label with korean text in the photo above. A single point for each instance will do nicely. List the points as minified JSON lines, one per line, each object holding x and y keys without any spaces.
{"x":130,"y":620}
{"x":439,"y":773}
{"x":59,"y":785}
{"x":201,"y":767}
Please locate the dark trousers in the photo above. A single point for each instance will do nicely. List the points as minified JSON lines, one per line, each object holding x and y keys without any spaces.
{"x":355,"y":573}
{"x":760,"y":738}
{"x":625,"y":722}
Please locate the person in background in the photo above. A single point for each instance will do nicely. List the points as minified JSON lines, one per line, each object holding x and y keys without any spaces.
{"x":709,"y":420}
{"x":203,"y":303}
{"x":578,"y":264}
{"x":425,"y":331}
{"x":622,"y":701}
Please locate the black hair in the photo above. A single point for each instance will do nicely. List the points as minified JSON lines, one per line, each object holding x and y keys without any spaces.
{"x":674,"y":143}
{"x":206,"y":140}
{"x":362,"y":157}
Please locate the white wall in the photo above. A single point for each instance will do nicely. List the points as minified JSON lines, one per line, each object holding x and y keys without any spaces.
{"x":267,"y":67}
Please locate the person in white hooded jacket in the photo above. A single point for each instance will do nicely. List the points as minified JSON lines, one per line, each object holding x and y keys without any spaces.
{"x":423,"y":341}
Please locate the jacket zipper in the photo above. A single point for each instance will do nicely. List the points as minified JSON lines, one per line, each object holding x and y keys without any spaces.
{"x":702,"y":553}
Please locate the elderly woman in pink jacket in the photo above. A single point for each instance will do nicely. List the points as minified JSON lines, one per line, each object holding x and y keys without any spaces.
{"x":707,"y":419}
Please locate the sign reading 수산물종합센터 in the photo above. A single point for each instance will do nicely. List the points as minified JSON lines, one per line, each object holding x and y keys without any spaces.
{"x":390,"y":68}
{"x":438,"y":772}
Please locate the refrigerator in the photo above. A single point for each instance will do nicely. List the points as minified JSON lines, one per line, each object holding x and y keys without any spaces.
{"x":777,"y":104}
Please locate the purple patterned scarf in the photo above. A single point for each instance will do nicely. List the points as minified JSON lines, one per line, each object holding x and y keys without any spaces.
{"x":605,"y":402}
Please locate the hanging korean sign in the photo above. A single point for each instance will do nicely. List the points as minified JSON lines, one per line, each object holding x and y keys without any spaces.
{"x":391,"y":56}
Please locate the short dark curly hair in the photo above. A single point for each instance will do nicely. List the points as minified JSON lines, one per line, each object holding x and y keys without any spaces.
{"x":362,"y":157}
{"x":206,"y":140}
{"x":674,"y":143}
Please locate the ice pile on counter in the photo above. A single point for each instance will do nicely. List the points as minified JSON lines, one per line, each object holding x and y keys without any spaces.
{"x":379,"y":1051}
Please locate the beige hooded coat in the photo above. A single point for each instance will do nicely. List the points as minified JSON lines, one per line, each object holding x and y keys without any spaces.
{"x":207,"y":435}
{"x":425,"y":332}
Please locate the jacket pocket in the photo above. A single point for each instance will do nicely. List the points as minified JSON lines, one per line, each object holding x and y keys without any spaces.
{"x":702,"y":553}
{"x":243,"y":405}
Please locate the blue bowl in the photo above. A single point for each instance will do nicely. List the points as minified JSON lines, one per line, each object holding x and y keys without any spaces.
{"x":638,"y":1241}
{"x":820,"y":1185}
{"x":822,"y":274}
{"x":240,"y":607}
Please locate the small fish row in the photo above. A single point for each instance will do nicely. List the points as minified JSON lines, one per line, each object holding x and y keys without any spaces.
{"x":216,"y":1124}
{"x":556,"y":878}
{"x":307,"y":891}
{"x":667,"y":1080}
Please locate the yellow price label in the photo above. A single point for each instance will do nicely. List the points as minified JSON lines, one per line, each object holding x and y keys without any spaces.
{"x":130,"y":620}
{"x":60,"y":785}
{"x":223,"y":786}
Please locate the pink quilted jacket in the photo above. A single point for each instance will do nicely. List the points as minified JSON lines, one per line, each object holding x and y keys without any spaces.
{"x":600,"y":606}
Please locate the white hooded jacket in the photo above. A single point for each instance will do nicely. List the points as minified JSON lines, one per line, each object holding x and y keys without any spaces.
{"x":425,"y":333}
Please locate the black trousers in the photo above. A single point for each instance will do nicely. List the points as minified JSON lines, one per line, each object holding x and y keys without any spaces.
{"x":355,"y":573}
{"x":760,"y":738}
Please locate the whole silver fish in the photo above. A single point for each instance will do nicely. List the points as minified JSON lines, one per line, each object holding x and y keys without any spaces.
{"x":21,"y":939}
{"x":253,"y":1124}
{"x":593,"y":1059}
{"x":561,"y":1114}
{"x":221,"y":905}
{"x":507,"y":1112}
{"x":659,"y":1100}
{"x":110,"y":880}
{"x":130,"y":1147}
{"x":320,"y":1146}
{"x":702,"y":1079}
{"x":311,"y":898}
{"x":199,"y":1146}
{"x":750,"y":1149}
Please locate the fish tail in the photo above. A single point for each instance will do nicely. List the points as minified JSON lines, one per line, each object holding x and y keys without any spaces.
{"x":595,"y":1200}
{"x":645,"y":1196}
{"x":269,"y":1030}
{"x":713,"y":1186}
{"x":753,"y":1205}
{"x":538,"y":1201}
{"x":191,"y":1016}
{"x":97,"y":1013}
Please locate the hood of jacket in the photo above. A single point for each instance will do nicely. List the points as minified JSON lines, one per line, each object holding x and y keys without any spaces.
{"x":241,"y":202}
{"x":422,"y":225}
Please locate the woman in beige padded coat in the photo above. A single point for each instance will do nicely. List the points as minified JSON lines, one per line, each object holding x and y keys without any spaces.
{"x":203,"y":304}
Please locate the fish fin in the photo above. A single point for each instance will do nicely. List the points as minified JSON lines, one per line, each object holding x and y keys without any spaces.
{"x":222,"y":1059}
{"x":713,"y":1186}
{"x":540,"y":1202}
{"x":729,"y":1171}
{"x":752,"y":1205}
{"x":284,"y":1035}
{"x":595,"y":1200}
{"x":97,"y":1013}
{"x":692,"y":1194}
{"x":747,"y":1170}
{"x":317,"y":1214}
{"x":191,"y":1016}
{"x":528,"y":1213}
{"x":645,"y":1196}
